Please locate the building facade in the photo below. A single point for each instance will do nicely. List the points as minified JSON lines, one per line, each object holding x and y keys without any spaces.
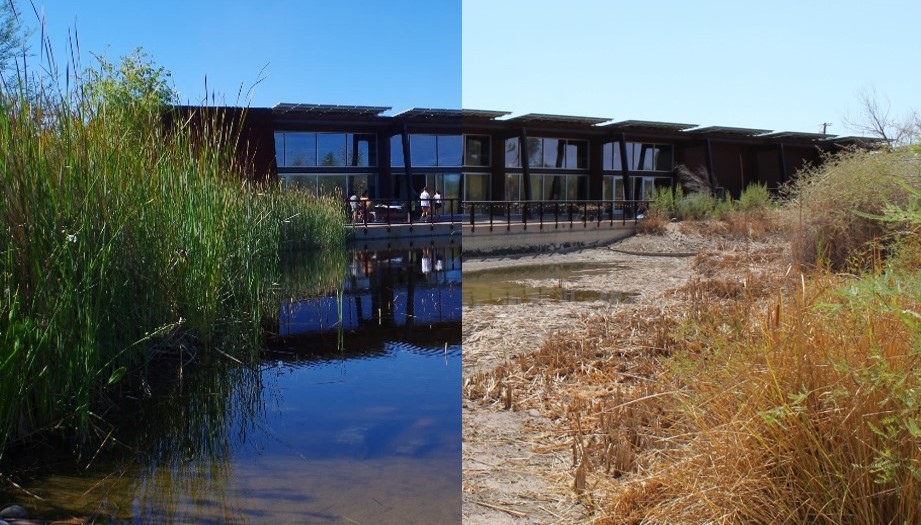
{"x":476,"y":155}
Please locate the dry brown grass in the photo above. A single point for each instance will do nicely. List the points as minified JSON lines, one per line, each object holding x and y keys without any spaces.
{"x":760,"y":396}
{"x":757,"y":224}
{"x":655,"y":222}
{"x":807,"y":417}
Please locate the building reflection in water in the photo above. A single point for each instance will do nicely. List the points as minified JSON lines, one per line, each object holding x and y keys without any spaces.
{"x":384,"y":289}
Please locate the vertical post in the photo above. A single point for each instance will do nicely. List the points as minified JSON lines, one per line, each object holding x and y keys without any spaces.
{"x":407,"y":166}
{"x":783,"y":165}
{"x":525,"y":163}
{"x":625,"y":169}
{"x":710,"y":177}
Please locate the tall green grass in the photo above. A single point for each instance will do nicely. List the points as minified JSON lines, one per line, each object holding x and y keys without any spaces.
{"x":123,"y":238}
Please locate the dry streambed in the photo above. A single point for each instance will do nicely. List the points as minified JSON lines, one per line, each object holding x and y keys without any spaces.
{"x":548,"y":384}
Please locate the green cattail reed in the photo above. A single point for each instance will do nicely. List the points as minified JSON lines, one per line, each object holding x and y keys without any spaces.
{"x":120,"y":233}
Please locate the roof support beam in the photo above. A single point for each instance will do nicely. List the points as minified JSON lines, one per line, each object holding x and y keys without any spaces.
{"x":710,"y":176}
{"x":407,"y":163}
{"x":783,"y":164}
{"x":525,"y":164}
{"x":625,"y":166}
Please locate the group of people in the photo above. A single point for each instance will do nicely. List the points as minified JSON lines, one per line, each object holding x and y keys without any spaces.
{"x":360,"y":206}
{"x":431,"y":203}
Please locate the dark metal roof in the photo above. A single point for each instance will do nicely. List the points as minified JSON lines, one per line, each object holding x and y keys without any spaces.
{"x":796,"y":135}
{"x":541,"y":118}
{"x":726,"y":130}
{"x":435,"y":113}
{"x":648,"y":124}
{"x":851,"y":140}
{"x":328,"y":109}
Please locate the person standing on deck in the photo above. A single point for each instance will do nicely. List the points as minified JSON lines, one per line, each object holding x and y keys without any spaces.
{"x":436,"y":202}
{"x":425,"y":200}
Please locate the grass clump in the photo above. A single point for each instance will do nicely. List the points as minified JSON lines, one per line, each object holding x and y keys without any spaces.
{"x":809,"y":414}
{"x":834,"y":208}
{"x":752,"y":215}
{"x":120,"y":234}
{"x":799,"y":403}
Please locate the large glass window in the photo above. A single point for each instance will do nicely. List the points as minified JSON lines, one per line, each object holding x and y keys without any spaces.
{"x":331,"y":149}
{"x":512,"y":153}
{"x":300,"y":149}
{"x":476,"y":150}
{"x":640,"y":156}
{"x":537,"y":186}
{"x":307,"y":183}
{"x":333,"y":185}
{"x":423,"y":150}
{"x":513,"y":187}
{"x":450,"y":150}
{"x":451,"y":186}
{"x":428,"y":151}
{"x":396,"y":151}
{"x":535,"y":150}
{"x":476,"y":187}
{"x":362,"y":150}
{"x":548,"y":153}
{"x":576,"y":154}
{"x":553,"y":157}
{"x":304,"y":149}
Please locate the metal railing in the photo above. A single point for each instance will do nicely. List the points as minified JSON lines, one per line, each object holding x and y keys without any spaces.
{"x":540,"y":213}
{"x":554,"y":213}
{"x":404,"y":211}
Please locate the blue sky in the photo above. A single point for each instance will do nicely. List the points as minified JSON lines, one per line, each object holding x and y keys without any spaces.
{"x":779,"y":65}
{"x":782,"y":65}
{"x":395,"y":53}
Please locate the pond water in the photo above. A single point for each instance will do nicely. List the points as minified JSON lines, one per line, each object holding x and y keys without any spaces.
{"x":509,"y":285}
{"x":351,"y":422}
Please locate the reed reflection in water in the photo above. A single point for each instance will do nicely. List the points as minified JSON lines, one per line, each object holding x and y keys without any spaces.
{"x":357,"y":421}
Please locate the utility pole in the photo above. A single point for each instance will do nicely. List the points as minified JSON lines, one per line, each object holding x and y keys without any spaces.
{"x":825,"y":127}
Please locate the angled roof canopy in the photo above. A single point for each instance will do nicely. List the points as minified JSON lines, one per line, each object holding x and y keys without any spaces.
{"x":855,"y":140}
{"x":328,"y":109}
{"x":648,"y":124}
{"x":726,"y":130}
{"x":796,"y":135}
{"x":435,"y":113}
{"x":541,"y":118}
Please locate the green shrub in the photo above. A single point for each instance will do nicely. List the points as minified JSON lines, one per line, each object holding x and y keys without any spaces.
{"x":834,"y":209}
{"x":755,"y":197}
{"x":694,"y":206}
{"x":664,"y":201}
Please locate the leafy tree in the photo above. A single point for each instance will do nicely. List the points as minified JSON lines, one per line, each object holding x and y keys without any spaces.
{"x":135,"y":83}
{"x":13,"y":35}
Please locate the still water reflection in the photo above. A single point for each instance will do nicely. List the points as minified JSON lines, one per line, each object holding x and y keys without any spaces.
{"x":341,"y":422}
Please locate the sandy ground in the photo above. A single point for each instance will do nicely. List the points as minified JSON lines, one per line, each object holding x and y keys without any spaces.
{"x":517,"y":466}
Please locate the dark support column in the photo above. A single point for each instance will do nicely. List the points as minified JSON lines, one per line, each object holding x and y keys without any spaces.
{"x":625,"y":169}
{"x":497,"y":168}
{"x":595,"y":168}
{"x":407,"y":164}
{"x":783,"y":166}
{"x":384,"y":180}
{"x":525,"y":164}
{"x":624,"y":166}
{"x":710,"y":178}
